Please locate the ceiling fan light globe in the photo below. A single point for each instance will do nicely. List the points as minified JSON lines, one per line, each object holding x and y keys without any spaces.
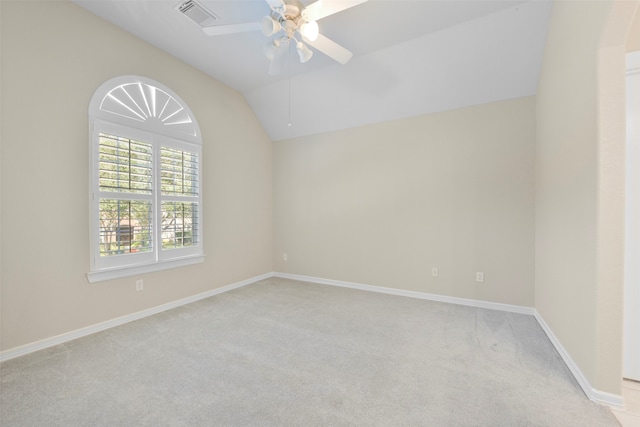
{"x":310,"y":30}
{"x":271,"y":48}
{"x":270,"y":26}
{"x":304,"y":52}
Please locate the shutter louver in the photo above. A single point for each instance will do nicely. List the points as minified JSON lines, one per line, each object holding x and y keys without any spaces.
{"x":125,"y":165}
{"x":179,"y":183}
{"x":179,"y":172}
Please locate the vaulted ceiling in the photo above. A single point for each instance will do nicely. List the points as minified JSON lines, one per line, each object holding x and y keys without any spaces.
{"x":410,"y":57}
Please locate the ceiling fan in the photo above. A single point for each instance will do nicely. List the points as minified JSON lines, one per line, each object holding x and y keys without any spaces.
{"x":291,"y":21}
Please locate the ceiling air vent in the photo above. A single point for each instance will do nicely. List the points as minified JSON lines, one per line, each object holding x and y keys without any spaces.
{"x":197,"y":13}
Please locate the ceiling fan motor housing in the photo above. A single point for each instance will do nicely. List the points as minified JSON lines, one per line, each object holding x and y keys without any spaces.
{"x":290,"y":19}
{"x":289,"y":27}
{"x":291,"y":12}
{"x":287,"y":19}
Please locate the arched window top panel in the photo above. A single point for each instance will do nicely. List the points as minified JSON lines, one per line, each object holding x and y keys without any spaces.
{"x":142,"y":103}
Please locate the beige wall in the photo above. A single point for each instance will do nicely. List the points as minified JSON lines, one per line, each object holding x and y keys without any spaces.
{"x":579,"y":184}
{"x":566,"y":174}
{"x":383,"y":204}
{"x":633,"y":40}
{"x":54,"y":56}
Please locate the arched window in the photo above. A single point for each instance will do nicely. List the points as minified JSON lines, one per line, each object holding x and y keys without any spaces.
{"x":146,"y":198}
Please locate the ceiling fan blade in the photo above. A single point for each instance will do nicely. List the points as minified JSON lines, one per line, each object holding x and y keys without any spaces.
{"x":279,"y":59}
{"x":330,"y":48}
{"x":324,"y":8}
{"x":220,"y":30}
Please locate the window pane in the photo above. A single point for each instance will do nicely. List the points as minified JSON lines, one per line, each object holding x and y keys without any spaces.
{"x":125,"y":226}
{"x":125,"y":165}
{"x":179,"y":224}
{"x":179,"y":172}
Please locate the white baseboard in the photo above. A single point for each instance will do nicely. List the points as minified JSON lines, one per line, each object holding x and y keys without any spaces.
{"x":82,"y":332}
{"x":603,"y":397}
{"x":613,"y":400}
{"x":610,"y":399}
{"x":412,"y":294}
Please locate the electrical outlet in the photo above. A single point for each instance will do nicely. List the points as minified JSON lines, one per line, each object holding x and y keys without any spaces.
{"x":479,"y":277}
{"x":139,"y":285}
{"x":434,"y":271}
{"x":284,"y":257}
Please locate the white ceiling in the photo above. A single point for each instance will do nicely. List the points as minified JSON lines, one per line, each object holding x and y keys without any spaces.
{"x":411,"y":57}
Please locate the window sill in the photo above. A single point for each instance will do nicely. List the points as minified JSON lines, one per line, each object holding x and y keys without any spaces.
{"x":119,"y":272}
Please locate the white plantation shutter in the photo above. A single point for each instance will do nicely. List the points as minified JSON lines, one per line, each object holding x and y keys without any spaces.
{"x":125,"y":195}
{"x":179,"y":198}
{"x":146,"y":206}
{"x":179,"y":172}
{"x":125,"y":165}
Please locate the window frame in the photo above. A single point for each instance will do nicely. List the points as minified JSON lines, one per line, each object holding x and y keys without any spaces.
{"x":154,"y":133}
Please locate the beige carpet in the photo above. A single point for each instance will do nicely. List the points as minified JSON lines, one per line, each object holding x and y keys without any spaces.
{"x":286,"y":353}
